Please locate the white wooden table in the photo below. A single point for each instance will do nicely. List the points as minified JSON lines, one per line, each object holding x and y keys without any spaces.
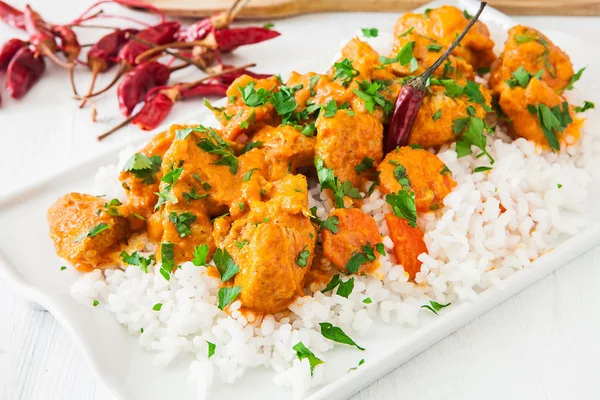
{"x":541,"y":344}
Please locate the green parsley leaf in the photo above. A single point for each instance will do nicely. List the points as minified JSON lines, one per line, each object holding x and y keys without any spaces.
{"x":335,"y":280}
{"x":167,"y":258}
{"x":330,"y":109}
{"x":213,"y":144}
{"x":437,"y":115}
{"x":200,"y":255}
{"x":365,"y":165}
{"x":474,"y":94}
{"x":251,"y":145}
{"x":302,"y":259}
{"x":137,"y":162}
{"x":559,"y":185}
{"x":268,"y":25}
{"x":369,"y":93}
{"x":157,"y":307}
{"x":312,"y":82}
{"x":367,"y":300}
{"x":95,"y":303}
{"x":405,"y":57}
{"x":309,"y":130}
{"x":434,"y":48}
{"x":370,"y":32}
{"x":587,"y":105}
{"x":211,"y":346}
{"x":110,"y":208}
{"x":435,"y":306}
{"x":361,"y":362}
{"x":143,"y":167}
{"x":344,"y":71}
{"x":407,"y":32}
{"x":380,"y":248}
{"x":336,"y":334}
{"x":327,"y":180}
{"x":253,"y":97}
{"x":193,"y":195}
{"x":401,"y":177}
{"x":62,"y":268}
{"x":182,"y":134}
{"x":472,"y":135}
{"x":302,"y":352}
{"x":137,"y":260}
{"x":182,"y":222}
{"x":521,"y":77}
{"x":524,"y":38}
{"x":466,"y":14}
{"x":345,"y":288}
{"x":445,"y":170}
{"x":241,"y":244}
{"x":403,"y":206}
{"x":225,"y":264}
{"x":227,"y":295}
{"x":245,"y":124}
{"x":248,"y":174}
{"x":573,"y":79}
{"x":95,"y":230}
{"x":483,"y":70}
{"x":330,"y":223}
{"x":355,"y":262}
{"x":482,"y":169}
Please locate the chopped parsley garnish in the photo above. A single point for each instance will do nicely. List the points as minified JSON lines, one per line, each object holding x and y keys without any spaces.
{"x":336,"y":334}
{"x":268,"y":25}
{"x":242,"y":206}
{"x":405,"y":57}
{"x":559,"y":185}
{"x":227,"y":295}
{"x":437,"y":115}
{"x":367,"y":300}
{"x":165,"y":194}
{"x":309,"y":130}
{"x":251,"y":145}
{"x":167,"y":259}
{"x":95,"y":303}
{"x":403,"y":206}
{"x":344,"y":71}
{"x":400,"y":176}
{"x":248,"y":174}
{"x":193,"y":195}
{"x":574,"y":78}
{"x":182,"y":134}
{"x":95,"y":230}
{"x":303,"y":257}
{"x":225,"y":264}
{"x":587,"y":105}
{"x":182,"y":222}
{"x":212,"y":346}
{"x":335,"y":280}
{"x":552,"y":120}
{"x":482,"y":169}
{"x":361,"y":362}
{"x":521,"y":77}
{"x":369,"y":93}
{"x":110,"y":208}
{"x":312,"y":82}
{"x":345,"y":288}
{"x":200,"y":255}
{"x":365,"y":165}
{"x":302,"y":352}
{"x":330,"y":109}
{"x":483,"y":70}
{"x":213,"y":143}
{"x":253,"y":97}
{"x":241,"y":244}
{"x":471,"y":131}
{"x":434,"y":48}
{"x":143,"y":167}
{"x":157,"y":307}
{"x":466,"y":14}
{"x":137,"y":260}
{"x":407,"y":32}
{"x":330,"y":223}
{"x":370,"y":32}
{"x":328,"y":180}
{"x":62,"y":268}
{"x":285,"y":102}
{"x":245,"y":124}
{"x":355,"y":262}
{"x":434,"y":306}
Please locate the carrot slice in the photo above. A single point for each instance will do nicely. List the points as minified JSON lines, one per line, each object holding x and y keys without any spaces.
{"x":408,"y":244}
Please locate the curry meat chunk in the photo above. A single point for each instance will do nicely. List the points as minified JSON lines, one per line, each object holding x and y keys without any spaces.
{"x":443,"y":24}
{"x":83,"y":233}
{"x":284,"y":149}
{"x":245,"y":112}
{"x":344,"y":141}
{"x":141,"y":185}
{"x":273,"y":245}
{"x":317,"y":89}
{"x":530,"y":49}
{"x":516,"y":103}
{"x":421,"y":171}
{"x":408,"y":244}
{"x":355,"y":229}
{"x":428,"y":131}
{"x":427,"y":50}
{"x":197,"y":185}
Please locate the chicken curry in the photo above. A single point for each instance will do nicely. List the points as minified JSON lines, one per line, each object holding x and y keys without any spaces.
{"x":239,"y":194}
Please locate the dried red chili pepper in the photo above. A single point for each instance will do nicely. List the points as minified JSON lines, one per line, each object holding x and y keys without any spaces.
{"x":232,"y":76}
{"x":412,"y":94}
{"x":23,"y":71}
{"x":158,"y":34}
{"x":200,"y":29}
{"x":11,"y":16}
{"x":138,"y":82}
{"x":232,"y":38}
{"x":42,"y":36}
{"x":8,"y":51}
{"x":70,"y":47}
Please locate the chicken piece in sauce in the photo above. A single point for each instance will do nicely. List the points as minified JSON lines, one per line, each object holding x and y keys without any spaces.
{"x":521,"y":104}
{"x":317,"y":89}
{"x":443,"y":24}
{"x":141,"y":184}
{"x":84,"y":233}
{"x":284,"y":149}
{"x":355,"y":229}
{"x":435,"y":120}
{"x":246,"y":112}
{"x":273,"y":245}
{"x":532,"y":50}
{"x":421,"y":171}
{"x":408,"y":244}
{"x":344,"y":141}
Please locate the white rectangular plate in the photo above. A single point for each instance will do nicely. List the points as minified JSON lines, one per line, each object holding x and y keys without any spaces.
{"x":28,"y":262}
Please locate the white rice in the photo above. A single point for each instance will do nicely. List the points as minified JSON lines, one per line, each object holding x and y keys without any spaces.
{"x":472,"y":245}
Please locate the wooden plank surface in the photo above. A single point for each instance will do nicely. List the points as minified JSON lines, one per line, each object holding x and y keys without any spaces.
{"x":265,"y":9}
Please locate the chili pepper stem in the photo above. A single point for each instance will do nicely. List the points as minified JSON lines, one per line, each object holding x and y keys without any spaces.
{"x":221,"y":21}
{"x":95,"y":27}
{"x":178,"y":67}
{"x":46,"y":52}
{"x":420,"y":82}
{"x":171,"y":53}
{"x":175,"y":45}
{"x":72,"y":80}
{"x":110,"y":85}
{"x":116,"y":128}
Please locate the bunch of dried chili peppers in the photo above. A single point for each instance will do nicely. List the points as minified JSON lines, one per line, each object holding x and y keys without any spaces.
{"x":146,"y":56}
